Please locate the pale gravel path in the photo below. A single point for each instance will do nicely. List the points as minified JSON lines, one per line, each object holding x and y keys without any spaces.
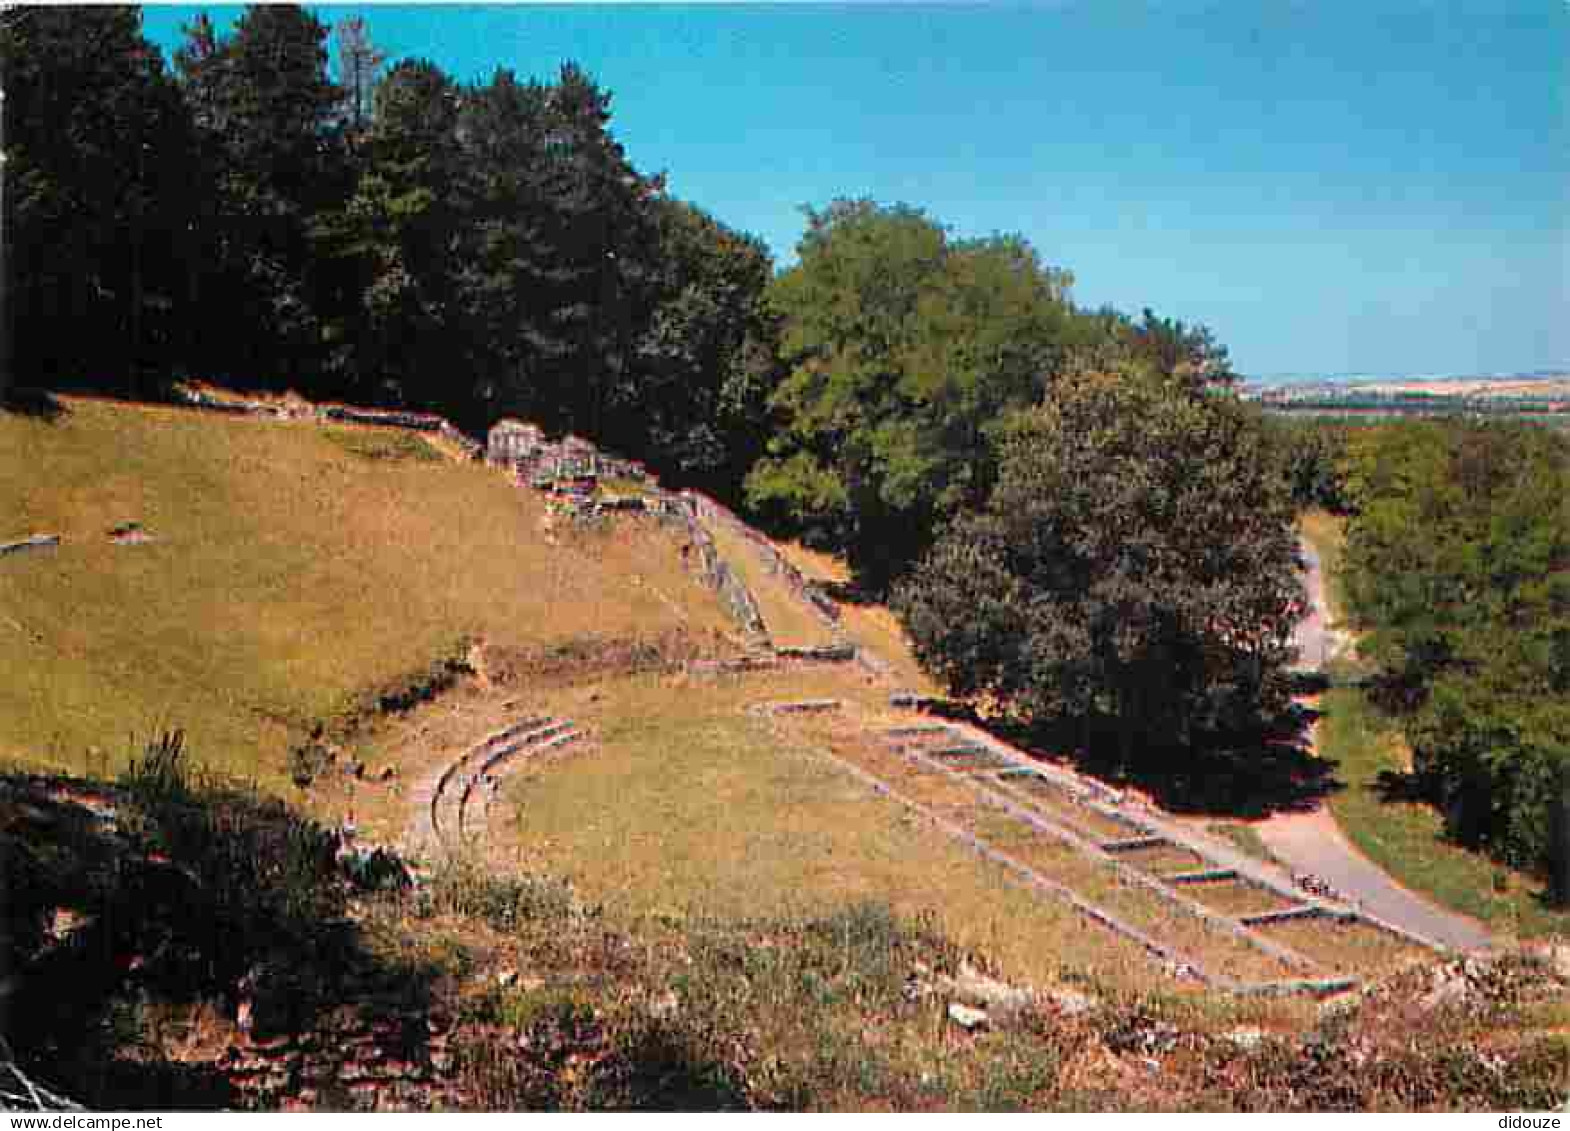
{"x":1312,"y":842}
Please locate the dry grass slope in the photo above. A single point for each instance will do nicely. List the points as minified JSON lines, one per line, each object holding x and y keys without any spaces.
{"x":293,"y":568}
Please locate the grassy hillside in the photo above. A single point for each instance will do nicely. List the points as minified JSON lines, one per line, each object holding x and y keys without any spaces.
{"x":292,"y":568}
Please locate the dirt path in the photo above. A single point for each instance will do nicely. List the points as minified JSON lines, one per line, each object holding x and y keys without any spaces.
{"x":1312,"y":842}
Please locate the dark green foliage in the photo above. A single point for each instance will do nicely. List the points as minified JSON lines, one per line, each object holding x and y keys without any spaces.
{"x":480,"y":250}
{"x":1458,"y":566}
{"x":904,"y":350}
{"x":707,"y":356}
{"x":1313,"y":453}
{"x":261,"y":299}
{"x":261,"y":876}
{"x":1136,"y":560}
{"x":98,"y":151}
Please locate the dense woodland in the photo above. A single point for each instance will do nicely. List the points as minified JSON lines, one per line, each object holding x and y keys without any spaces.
{"x":380,"y":232}
{"x":1072,"y":511}
{"x":1458,"y":568}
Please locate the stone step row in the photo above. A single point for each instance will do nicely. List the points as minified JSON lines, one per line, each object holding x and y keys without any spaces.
{"x":566,"y":736}
{"x":1039,"y":821}
{"x":796,"y":707}
{"x":1151,"y":835}
{"x":1134,"y":844}
{"x":529,"y":739}
{"x":521,"y":733}
{"x":1287,"y":914}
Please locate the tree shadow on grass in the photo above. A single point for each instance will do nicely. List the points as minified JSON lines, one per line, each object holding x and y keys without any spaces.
{"x":129,"y":920}
{"x":1244,"y":772}
{"x":36,"y":403}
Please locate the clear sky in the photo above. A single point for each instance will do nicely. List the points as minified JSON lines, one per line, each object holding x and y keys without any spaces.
{"x":1335,"y":186}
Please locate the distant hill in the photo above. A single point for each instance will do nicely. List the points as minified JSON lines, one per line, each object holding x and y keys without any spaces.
{"x":1536,"y":383}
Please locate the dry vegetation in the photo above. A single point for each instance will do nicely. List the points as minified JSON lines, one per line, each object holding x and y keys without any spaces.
{"x":290,"y":574}
{"x":871,"y":626}
{"x":696,"y":908}
{"x":689,"y":807}
{"x":787,"y":618}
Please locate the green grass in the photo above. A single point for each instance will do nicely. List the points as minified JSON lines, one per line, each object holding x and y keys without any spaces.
{"x":289,"y":574}
{"x":1406,"y":838}
{"x":687,"y":806}
{"x":383,"y":443}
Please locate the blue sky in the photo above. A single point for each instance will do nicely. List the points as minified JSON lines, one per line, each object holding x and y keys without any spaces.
{"x":1375,"y":187}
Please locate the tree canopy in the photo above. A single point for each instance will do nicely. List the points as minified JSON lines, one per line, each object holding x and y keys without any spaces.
{"x":903,"y":350}
{"x":98,"y":148}
{"x":1136,"y":561}
{"x":1457,"y":567}
{"x":396,"y":237}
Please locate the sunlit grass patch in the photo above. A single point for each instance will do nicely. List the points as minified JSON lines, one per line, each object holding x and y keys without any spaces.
{"x":286,"y":576}
{"x":383,"y":444}
{"x":690,"y":806}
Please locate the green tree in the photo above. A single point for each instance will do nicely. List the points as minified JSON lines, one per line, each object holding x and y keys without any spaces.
{"x":266,"y":113}
{"x":1457,"y":567}
{"x":397,"y":238}
{"x":555,"y":281}
{"x":903,"y":351}
{"x":96,"y":197}
{"x":704,"y":363}
{"x":1136,"y":560}
{"x":359,"y":69}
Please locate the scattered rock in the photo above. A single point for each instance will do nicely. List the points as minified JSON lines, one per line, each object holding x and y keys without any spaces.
{"x":388,"y":773}
{"x":129,"y":534}
{"x":1339,"y":1005}
{"x":974,"y":986}
{"x":1245,"y":1036}
{"x":967,"y":1018}
{"x":1069,"y":1003}
{"x":1556,"y":957}
{"x":507,"y":978}
{"x":1447,"y":988}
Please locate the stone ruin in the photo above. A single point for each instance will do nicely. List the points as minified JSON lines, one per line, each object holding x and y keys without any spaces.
{"x":569,"y":466}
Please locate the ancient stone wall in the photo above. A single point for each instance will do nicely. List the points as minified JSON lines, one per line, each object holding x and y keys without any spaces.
{"x":297,"y":409}
{"x":711,"y":510}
